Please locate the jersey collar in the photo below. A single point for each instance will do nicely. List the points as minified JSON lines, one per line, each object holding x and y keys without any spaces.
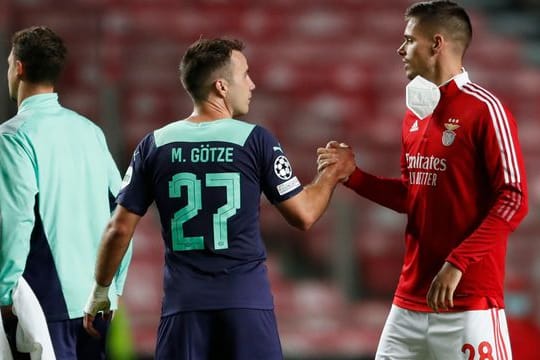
{"x":460,"y":79}
{"x":423,"y":96}
{"x":40,"y":100}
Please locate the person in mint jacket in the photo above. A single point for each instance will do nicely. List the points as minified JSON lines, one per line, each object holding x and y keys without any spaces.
{"x":58,"y":183}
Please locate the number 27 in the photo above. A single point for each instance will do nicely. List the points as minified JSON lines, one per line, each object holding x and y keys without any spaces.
{"x":231,"y":182}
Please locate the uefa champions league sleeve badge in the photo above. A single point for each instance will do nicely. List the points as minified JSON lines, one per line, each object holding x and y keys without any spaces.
{"x":449,"y":135}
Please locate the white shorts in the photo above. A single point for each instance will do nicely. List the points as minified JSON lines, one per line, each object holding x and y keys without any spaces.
{"x":468,"y":335}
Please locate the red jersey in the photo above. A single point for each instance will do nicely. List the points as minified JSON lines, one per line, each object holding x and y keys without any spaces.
{"x":463,"y":189}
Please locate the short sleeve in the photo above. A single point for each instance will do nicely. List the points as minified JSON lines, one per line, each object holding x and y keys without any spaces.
{"x":278,"y":180}
{"x":136,"y":192}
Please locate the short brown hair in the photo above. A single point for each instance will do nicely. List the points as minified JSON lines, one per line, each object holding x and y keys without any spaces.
{"x":42,"y":53}
{"x":445,"y":15}
{"x":201,"y":60}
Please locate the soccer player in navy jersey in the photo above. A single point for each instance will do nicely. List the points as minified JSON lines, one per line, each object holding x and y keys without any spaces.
{"x":463,"y":188}
{"x":206,"y":174}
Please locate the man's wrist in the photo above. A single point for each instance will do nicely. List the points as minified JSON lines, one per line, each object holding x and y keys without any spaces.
{"x":353,"y":178}
{"x":100,"y":291}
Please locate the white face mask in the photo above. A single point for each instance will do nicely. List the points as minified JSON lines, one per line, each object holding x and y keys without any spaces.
{"x":422,"y":96}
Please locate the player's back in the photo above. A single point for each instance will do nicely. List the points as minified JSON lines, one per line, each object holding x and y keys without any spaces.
{"x":74,"y":174}
{"x":206,"y":179}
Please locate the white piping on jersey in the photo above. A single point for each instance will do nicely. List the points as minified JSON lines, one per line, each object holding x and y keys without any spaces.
{"x":510,"y":207}
{"x":502,"y":131}
{"x":506,"y":131}
{"x":506,"y":146}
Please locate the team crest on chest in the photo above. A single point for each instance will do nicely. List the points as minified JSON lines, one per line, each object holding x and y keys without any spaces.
{"x":449,"y":135}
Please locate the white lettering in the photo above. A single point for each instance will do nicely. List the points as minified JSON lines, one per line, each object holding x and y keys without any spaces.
{"x":288,"y":186}
{"x":422,"y":162}
{"x":423,"y":178}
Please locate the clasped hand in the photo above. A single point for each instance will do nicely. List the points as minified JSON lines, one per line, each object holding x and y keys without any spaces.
{"x":337,"y":158}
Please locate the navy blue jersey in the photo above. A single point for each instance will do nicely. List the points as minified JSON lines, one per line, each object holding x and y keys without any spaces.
{"x":206,"y":180}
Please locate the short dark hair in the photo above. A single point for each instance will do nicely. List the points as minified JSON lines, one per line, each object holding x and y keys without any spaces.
{"x":445,"y":15}
{"x":42,"y":53}
{"x":200,"y":62}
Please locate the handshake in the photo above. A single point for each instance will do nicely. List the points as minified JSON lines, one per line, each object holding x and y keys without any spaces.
{"x":336,"y":160}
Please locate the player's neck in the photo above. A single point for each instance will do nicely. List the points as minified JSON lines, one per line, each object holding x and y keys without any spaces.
{"x":445,"y":71}
{"x":209,"y":111}
{"x":26,"y":90}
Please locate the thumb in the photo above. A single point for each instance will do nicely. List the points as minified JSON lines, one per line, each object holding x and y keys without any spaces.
{"x":108,"y":315}
{"x":332,"y":144}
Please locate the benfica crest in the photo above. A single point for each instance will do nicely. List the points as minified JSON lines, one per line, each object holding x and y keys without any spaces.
{"x":449,"y":134}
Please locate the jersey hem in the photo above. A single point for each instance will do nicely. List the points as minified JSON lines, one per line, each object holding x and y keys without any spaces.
{"x":460,"y":304}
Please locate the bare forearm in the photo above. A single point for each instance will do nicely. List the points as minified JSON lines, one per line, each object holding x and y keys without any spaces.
{"x":318,"y":195}
{"x":113,"y":246}
{"x":303,"y":210}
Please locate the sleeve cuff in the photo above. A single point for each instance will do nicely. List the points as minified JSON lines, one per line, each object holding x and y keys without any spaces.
{"x":354,"y":179}
{"x":459,"y":265}
{"x":6,"y":300}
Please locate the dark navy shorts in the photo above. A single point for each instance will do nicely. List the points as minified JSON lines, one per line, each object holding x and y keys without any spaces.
{"x":69,"y":339}
{"x":71,"y":342}
{"x":230,"y":334}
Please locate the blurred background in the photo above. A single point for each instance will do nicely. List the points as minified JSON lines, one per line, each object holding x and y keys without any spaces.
{"x":324,"y":69}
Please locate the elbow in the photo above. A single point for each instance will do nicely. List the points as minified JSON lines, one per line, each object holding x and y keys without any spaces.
{"x":523,"y":205}
{"x":117,"y":230}
{"x":522,"y":211}
{"x":515,"y":213}
{"x":521,"y":200}
{"x":304,"y":226}
{"x":303,"y":223}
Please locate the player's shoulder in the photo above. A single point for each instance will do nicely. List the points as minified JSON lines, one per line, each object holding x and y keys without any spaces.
{"x":218,"y":123}
{"x":222,"y":130}
{"x":477,"y":95}
{"x":261,"y":131}
{"x":82,"y":125}
{"x":81,"y":119}
{"x":15,"y":133}
{"x":237,"y":124}
{"x":13,"y":125}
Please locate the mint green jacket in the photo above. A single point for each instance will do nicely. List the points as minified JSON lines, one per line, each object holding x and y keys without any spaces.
{"x":58,"y":182}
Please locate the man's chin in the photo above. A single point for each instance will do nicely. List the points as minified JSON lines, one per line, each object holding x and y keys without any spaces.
{"x":240,"y":113}
{"x":411,"y":75}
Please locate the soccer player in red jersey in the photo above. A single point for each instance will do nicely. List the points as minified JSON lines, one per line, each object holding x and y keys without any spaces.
{"x":463,"y":188}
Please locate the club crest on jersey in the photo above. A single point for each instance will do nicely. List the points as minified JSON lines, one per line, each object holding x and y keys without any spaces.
{"x":449,"y":135}
{"x":282,"y":168}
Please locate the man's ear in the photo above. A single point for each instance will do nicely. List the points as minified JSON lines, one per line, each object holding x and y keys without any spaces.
{"x":19,"y":68}
{"x":221,"y":87}
{"x":438,"y":42}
